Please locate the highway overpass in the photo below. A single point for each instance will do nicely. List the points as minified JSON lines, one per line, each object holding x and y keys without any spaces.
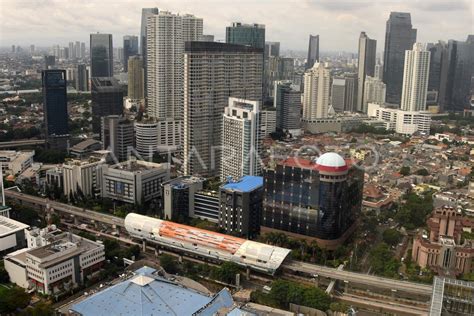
{"x":21,"y":143}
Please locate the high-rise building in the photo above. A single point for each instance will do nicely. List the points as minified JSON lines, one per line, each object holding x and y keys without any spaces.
{"x":82,"y":78}
{"x":117,"y":136}
{"x":374,"y":91}
{"x":49,"y":61}
{"x":316,"y":92}
{"x":165,"y":47}
{"x":130,"y":48}
{"x":378,"y":73}
{"x":272,"y":49}
{"x":276,"y":69}
{"x":350,"y":93}
{"x":77,"y":49}
{"x":399,"y":37}
{"x":102,"y":60}
{"x":415,"y":78}
{"x":136,"y":78}
{"x":153,"y":136}
{"x":438,"y":66}
{"x":55,"y":107}
{"x":206,"y":38}
{"x":241,"y":143}
{"x":146,"y":12}
{"x":313,"y":51}
{"x":107,"y":97}
{"x":32,"y":49}
{"x":366,"y":67}
{"x":287,"y":101}
{"x":241,"y":206}
{"x":206,"y":95}
{"x":324,"y":203}
{"x":456,"y":95}
{"x":83,"y":50}
{"x":72,"y":51}
{"x":246,"y":34}
{"x":338,"y":94}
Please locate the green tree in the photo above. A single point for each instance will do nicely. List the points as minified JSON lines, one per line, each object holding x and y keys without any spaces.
{"x":169,"y":263}
{"x":405,"y":171}
{"x":422,"y":172}
{"x":383,"y":262}
{"x":226,"y":272}
{"x":391,"y":236}
{"x":13,"y":299}
{"x":40,"y":309}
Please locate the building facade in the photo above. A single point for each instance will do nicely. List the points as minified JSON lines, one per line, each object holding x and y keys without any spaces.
{"x":402,"y":122}
{"x":82,"y":78}
{"x":130,"y":48}
{"x":415,"y":78}
{"x":81,"y":177}
{"x":366,"y":67}
{"x":313,"y":51}
{"x":213,"y":72}
{"x":107,"y":97}
{"x":178,"y":197}
{"x":252,"y":35}
{"x":136,"y":78}
{"x":102,"y":55}
{"x":319,"y":201}
{"x":287,"y":102}
{"x":375,"y":91}
{"x":117,"y":136}
{"x":317,"y":82}
{"x":399,"y":37}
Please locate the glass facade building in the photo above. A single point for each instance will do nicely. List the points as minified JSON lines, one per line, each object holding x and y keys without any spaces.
{"x":55,"y":102}
{"x":313,"y":51}
{"x":246,"y":34}
{"x":130,"y":48}
{"x":305,"y":198}
{"x":102,"y":60}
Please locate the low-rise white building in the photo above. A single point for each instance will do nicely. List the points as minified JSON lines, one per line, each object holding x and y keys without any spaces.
{"x":133,"y":181}
{"x":80,"y":175}
{"x":15,"y":162}
{"x":402,"y":122}
{"x":12,"y":234}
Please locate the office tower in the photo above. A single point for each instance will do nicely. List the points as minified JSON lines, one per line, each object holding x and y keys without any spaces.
{"x":350,"y":93}
{"x":272,"y":49}
{"x":374,"y":91}
{"x":49,"y":61}
{"x":82,"y":78}
{"x":107,"y":97}
{"x":456,"y":94}
{"x":378,"y":71}
{"x":101,"y":51}
{"x":72,"y":51}
{"x":241,"y":141}
{"x":118,"y":53}
{"x":130,"y":48}
{"x":146,"y":12}
{"x":63,"y":53}
{"x":71,"y":74}
{"x":32,"y":49}
{"x":399,"y":37}
{"x":55,"y":107}
{"x":366,"y":67}
{"x":276,"y":69}
{"x":77,"y":49}
{"x":206,"y":95}
{"x":83,"y":50}
{"x":287,"y":101}
{"x":206,"y":38}
{"x":246,"y":34}
{"x":56,"y":50}
{"x":117,"y":136}
{"x":13,"y":49}
{"x":438,"y":65}
{"x":338,"y":94}
{"x":415,"y":78}
{"x":136,"y":78}
{"x":316,"y":92}
{"x":313,"y":51}
{"x":153,"y":136}
{"x":165,"y":47}
{"x":241,"y":207}
{"x":325,"y":199}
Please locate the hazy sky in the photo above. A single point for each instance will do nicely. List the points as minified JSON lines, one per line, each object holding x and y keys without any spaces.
{"x":339,"y":22}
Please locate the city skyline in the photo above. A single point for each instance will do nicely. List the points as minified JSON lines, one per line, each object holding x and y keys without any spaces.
{"x":338,"y":24}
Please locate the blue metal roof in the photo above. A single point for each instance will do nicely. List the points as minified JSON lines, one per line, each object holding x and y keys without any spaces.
{"x":147,"y":294}
{"x":245,"y":184}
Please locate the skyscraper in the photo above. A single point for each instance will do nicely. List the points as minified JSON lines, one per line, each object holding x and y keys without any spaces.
{"x":415,"y":78}
{"x":130,"y":48}
{"x":276,"y":69}
{"x":374,"y":91}
{"x":287,"y":101}
{"x":146,"y":12}
{"x":316,"y":92}
{"x":55,"y":106}
{"x":438,"y":65}
{"x":206,"y":95}
{"x":366,"y":67}
{"x":319,"y":200}
{"x":338,"y":94}
{"x":49,"y":61}
{"x":107,"y":97}
{"x":399,"y":37}
{"x":83,"y":50}
{"x":272,"y":49}
{"x":117,"y":135}
{"x":246,"y":34}
{"x":241,"y":143}
{"x":350,"y":93}
{"x":102,"y":60}
{"x":136,"y":78}
{"x":77,"y":50}
{"x":165,"y":47}
{"x":313,"y":51}
{"x":72,"y":51}
{"x":82,"y":78}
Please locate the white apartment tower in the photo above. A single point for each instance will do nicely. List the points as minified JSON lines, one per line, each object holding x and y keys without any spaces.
{"x":415,"y":78}
{"x":374,"y":91}
{"x":240,"y":139}
{"x":317,"y":82}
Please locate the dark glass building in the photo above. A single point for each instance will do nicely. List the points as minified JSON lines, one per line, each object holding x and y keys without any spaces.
{"x":102,"y":60}
{"x":246,"y":34}
{"x":130,"y":48}
{"x":313,"y":51}
{"x":319,"y":201}
{"x":107,"y":99}
{"x":55,"y":104}
{"x":399,"y":37}
{"x":287,"y":102}
{"x":49,"y":61}
{"x":438,"y":66}
{"x":241,"y":207}
{"x":82,"y":78}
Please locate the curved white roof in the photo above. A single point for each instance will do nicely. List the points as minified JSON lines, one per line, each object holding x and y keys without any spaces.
{"x":331,"y":160}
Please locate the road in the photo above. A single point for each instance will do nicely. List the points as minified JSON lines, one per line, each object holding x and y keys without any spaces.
{"x":359,"y":278}
{"x":66,"y":208}
{"x":294,"y":266}
{"x":20,"y":143}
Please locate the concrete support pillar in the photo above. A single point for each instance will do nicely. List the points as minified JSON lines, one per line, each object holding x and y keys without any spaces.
{"x":76,"y":221}
{"x":180,"y":259}
{"x":144,"y":245}
{"x":346,"y":286}
{"x":316,"y":280}
{"x":96,"y":225}
{"x":247,"y":273}
{"x":156,"y":253}
{"x":394,"y":293}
